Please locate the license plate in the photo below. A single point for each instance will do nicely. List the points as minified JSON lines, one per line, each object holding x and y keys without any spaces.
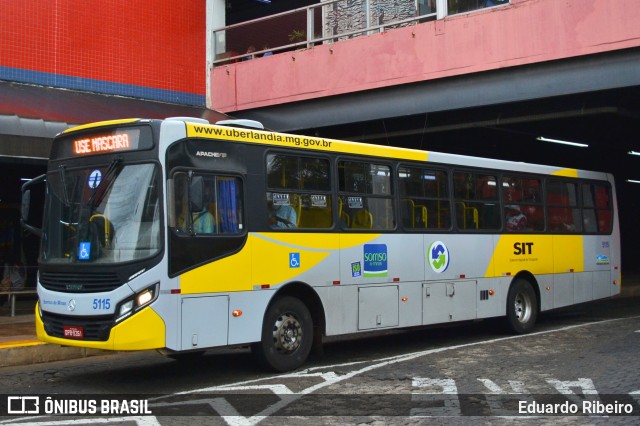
{"x":73,"y":332}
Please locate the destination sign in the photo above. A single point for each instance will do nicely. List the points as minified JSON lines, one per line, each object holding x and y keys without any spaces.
{"x":102,"y":141}
{"x":97,"y":144}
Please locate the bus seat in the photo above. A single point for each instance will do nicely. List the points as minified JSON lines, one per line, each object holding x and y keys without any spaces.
{"x":342,"y":215}
{"x":315,"y":217}
{"x":559,"y":215}
{"x":363,"y":219}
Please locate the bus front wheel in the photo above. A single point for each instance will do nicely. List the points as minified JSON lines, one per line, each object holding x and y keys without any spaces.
{"x":287,"y":335}
{"x":522,"y":307}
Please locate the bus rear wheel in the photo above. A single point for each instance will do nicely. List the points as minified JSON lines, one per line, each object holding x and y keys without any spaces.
{"x":287,"y":335}
{"x":522,"y":307}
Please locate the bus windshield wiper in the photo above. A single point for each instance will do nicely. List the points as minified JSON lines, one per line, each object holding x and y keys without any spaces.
{"x":63,"y":178}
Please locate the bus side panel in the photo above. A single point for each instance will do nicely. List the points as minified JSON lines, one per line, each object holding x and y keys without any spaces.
{"x":568,"y":264}
{"x":221,"y":275}
{"x":282,"y":258}
{"x":492,"y":305}
{"x":341,"y":308}
{"x":616,"y":259}
{"x":374,"y":260}
{"x":516,"y":253}
{"x":597,"y":260}
{"x":247,"y":327}
{"x":204,"y":321}
{"x":449,"y":301}
{"x":390,"y":259}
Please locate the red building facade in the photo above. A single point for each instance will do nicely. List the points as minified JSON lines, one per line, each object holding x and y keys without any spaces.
{"x":150,"y":49}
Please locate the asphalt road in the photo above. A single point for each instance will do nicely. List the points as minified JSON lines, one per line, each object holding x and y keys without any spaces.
{"x":582,"y":358}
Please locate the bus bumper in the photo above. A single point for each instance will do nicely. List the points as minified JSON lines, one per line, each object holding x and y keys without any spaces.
{"x":144,"y":330}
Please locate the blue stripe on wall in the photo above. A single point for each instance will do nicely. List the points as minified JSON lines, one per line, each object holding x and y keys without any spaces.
{"x":99,"y":86}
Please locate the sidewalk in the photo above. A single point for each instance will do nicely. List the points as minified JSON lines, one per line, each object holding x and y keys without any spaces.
{"x":20,"y":346}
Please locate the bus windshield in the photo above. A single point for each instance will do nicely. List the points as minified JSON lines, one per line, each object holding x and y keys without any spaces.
{"x":102,"y":214}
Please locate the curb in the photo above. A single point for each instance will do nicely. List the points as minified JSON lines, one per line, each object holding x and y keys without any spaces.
{"x":27,"y":352}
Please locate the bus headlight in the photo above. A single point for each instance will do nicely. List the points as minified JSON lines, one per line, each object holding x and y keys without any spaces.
{"x":138,"y":301}
{"x":125,"y":308}
{"x":144,"y":297}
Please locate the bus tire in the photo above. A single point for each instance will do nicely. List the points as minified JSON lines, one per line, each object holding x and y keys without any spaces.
{"x":522,"y":307}
{"x":287,"y":335}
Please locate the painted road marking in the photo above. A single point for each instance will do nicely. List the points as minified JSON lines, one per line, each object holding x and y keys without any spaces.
{"x":323,"y":378}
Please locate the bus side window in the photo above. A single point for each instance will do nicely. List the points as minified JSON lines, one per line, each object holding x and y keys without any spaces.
{"x":562,"y":210}
{"x":298,"y":192}
{"x":424,"y":197}
{"x":596,"y":209}
{"x":476,"y":202}
{"x":522,"y":206}
{"x":366,"y":194}
{"x":206,"y":204}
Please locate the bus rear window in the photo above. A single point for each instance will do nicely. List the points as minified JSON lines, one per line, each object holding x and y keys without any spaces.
{"x":596,"y":208}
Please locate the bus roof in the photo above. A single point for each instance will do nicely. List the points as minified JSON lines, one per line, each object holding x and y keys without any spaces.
{"x":198,"y":128}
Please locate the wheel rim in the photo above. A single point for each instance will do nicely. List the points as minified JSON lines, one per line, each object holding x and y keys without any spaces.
{"x":522,"y":307}
{"x":287,"y":333}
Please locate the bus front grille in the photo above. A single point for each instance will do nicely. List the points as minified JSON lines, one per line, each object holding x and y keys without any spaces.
{"x":94,"y":328}
{"x":80,"y":283}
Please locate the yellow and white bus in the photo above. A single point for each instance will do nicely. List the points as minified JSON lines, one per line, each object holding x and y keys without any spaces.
{"x":181,"y":236}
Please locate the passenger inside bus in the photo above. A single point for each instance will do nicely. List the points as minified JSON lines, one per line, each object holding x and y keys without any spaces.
{"x":203,"y":222}
{"x":515,"y":220}
{"x":282,"y":215}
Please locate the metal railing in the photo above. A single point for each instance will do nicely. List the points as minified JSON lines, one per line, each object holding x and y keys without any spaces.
{"x":325,"y":22}
{"x":328,"y":22}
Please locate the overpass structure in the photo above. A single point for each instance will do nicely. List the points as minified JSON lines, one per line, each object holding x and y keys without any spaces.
{"x":490,"y":81}
{"x":487,"y":82}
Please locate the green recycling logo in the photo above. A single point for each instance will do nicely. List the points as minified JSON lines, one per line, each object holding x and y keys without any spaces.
{"x":438,"y":256}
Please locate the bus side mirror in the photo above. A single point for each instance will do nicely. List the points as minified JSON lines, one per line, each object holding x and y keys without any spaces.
{"x":25,"y":206}
{"x":196,"y":194}
{"x":26,"y":203}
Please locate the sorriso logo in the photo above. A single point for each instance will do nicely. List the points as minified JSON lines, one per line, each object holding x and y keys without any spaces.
{"x":438,"y":256}
{"x":375,"y":260}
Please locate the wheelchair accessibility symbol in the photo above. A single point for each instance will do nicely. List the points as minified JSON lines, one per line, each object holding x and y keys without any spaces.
{"x":294,"y":260}
{"x":84,"y":251}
